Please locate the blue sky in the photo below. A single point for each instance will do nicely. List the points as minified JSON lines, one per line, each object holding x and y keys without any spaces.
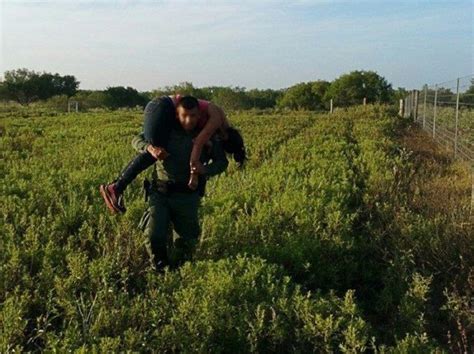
{"x":263,"y":44}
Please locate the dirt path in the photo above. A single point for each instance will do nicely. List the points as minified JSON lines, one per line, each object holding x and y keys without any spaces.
{"x":441,"y":193}
{"x":440,"y":184}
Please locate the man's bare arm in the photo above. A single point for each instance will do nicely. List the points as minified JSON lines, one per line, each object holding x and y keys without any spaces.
{"x":216,"y":120}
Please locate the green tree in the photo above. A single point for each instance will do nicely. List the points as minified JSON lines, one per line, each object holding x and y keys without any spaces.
{"x":91,"y":99}
{"x":231,"y":99}
{"x":183,"y":88}
{"x":3,"y":91}
{"x":468,"y":96}
{"x":25,"y":86}
{"x":263,"y":98}
{"x":319,"y":89}
{"x":19,"y":85}
{"x":120,"y":96}
{"x":399,"y":94}
{"x":305,"y":95}
{"x":351,"y":89}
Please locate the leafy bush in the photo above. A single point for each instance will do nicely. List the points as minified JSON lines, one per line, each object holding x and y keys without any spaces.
{"x":340,"y":254}
{"x":350,"y":89}
{"x":309,"y":96}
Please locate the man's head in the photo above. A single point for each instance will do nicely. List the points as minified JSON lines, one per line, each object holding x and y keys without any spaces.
{"x":187,"y":111}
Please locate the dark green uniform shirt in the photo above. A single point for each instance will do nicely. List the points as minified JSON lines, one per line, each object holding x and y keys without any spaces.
{"x":175,"y":167}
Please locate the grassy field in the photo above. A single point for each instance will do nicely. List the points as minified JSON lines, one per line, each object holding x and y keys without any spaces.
{"x":341,"y":235}
{"x":445,"y":127}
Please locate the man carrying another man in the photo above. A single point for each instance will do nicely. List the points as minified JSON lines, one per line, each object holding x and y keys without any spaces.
{"x":171,"y":199}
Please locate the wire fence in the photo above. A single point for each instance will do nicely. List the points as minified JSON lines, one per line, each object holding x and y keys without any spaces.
{"x":446,"y":112}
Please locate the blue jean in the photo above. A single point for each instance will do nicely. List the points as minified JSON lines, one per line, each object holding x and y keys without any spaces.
{"x":159,"y":118}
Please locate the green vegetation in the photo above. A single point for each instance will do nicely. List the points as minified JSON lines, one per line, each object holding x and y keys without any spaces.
{"x":350,"y":89}
{"x":308,"y":95}
{"x":25,"y":86}
{"x":322,"y":244}
{"x":53,"y":92}
{"x":446,"y":125}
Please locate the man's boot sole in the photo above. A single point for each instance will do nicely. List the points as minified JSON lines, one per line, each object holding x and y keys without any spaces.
{"x":106,"y":196}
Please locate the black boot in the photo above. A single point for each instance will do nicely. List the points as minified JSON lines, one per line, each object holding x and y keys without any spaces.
{"x":138,"y":164}
{"x":161,"y":261}
{"x":184,"y":250}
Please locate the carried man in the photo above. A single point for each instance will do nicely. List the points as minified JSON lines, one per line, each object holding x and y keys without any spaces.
{"x":160,"y":118}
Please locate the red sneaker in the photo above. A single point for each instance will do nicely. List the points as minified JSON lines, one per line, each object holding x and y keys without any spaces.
{"x":113,"y":199}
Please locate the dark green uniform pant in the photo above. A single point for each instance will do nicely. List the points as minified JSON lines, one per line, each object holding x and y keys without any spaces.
{"x":178,"y":209}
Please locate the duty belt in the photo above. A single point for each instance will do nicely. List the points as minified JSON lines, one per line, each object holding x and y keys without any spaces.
{"x":165,"y":187}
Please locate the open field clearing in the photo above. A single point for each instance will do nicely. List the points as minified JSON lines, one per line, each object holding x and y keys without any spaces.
{"x":347,"y":232}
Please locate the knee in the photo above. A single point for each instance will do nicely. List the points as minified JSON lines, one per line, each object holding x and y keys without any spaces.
{"x":156,"y":229}
{"x":151,"y":106}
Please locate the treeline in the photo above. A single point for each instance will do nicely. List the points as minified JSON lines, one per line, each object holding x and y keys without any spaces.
{"x":25,"y":86}
{"x":446,"y":96}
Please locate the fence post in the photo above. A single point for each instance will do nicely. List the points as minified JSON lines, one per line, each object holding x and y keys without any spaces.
{"x":409,"y":105}
{"x":415,"y":93}
{"x":457,"y":120}
{"x":330,"y":106}
{"x":424,"y":107}
{"x":364,"y":101}
{"x":434,"y":111}
{"x":472,"y":191}
{"x":69,"y":106}
{"x":400,"y":109}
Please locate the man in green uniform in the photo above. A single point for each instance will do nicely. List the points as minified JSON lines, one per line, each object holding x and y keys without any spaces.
{"x":170,"y":198}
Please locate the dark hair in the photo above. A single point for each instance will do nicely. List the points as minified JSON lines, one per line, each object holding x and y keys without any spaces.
{"x":188,"y":102}
{"x":235,"y":145}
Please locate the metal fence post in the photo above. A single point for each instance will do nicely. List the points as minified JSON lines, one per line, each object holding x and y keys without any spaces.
{"x":410,"y":104}
{"x":434,"y":111}
{"x":472,"y":190}
{"x":424,"y":107}
{"x":407,"y":107}
{"x":330,"y":106}
{"x":415,"y":108}
{"x":457,"y":120}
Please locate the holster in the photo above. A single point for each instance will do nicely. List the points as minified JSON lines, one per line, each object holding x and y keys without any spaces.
{"x":146,"y":189}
